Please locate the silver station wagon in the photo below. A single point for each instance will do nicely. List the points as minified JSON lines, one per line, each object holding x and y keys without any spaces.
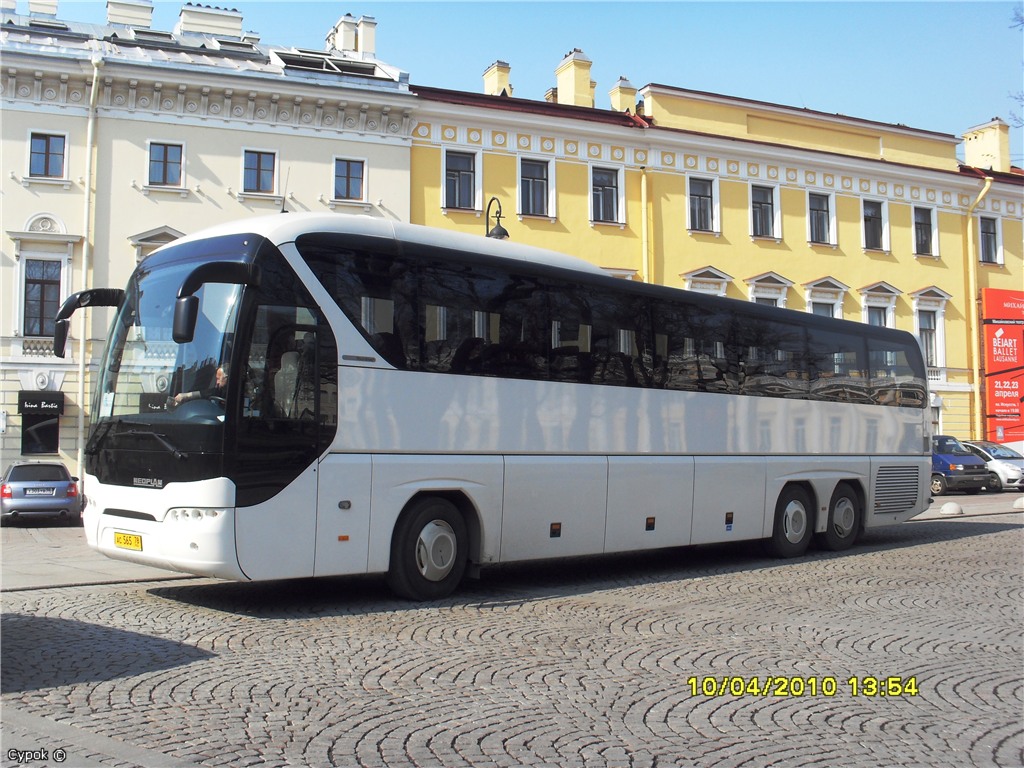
{"x":39,"y":489}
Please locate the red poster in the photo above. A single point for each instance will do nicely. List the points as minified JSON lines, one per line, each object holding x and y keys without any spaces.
{"x":1003,"y":318}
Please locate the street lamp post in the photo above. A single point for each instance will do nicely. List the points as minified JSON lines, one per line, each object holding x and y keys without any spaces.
{"x":498,"y":232}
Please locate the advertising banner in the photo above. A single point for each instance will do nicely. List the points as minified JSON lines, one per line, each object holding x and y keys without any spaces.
{"x":1003,"y":322}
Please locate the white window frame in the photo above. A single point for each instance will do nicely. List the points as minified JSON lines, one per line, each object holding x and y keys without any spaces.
{"x":20,"y":265}
{"x":275,"y":195}
{"x":934,"y":300}
{"x":999,"y":240}
{"x":620,"y":206}
{"x":366,"y":181}
{"x":179,"y":189}
{"x":828,"y":291}
{"x":934,"y":220}
{"x":880,"y":296}
{"x":770,"y":285}
{"x":833,"y":235}
{"x":65,"y":179}
{"x":478,"y":179}
{"x":776,"y":213}
{"x":552,"y":213}
{"x":886,"y":246}
{"x":716,"y":201}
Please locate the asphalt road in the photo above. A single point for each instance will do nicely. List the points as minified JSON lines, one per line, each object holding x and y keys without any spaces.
{"x":905,"y":651}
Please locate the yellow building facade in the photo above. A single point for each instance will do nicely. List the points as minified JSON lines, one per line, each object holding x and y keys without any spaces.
{"x":813,"y":212}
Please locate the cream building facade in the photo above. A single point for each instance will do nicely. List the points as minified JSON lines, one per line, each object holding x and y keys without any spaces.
{"x":117,"y":137}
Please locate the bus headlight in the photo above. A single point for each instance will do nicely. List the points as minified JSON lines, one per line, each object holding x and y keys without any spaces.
{"x":195,"y":514}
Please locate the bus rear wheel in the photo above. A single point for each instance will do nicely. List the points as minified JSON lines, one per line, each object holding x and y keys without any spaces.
{"x":794,"y":523}
{"x":844,"y":519}
{"x":428,"y":550}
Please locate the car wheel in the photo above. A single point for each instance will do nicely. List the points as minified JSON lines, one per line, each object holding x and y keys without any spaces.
{"x":994,"y":483}
{"x":938,"y":485}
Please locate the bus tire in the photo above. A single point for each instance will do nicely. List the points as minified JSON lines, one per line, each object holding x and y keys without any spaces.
{"x":844,"y":519}
{"x":794,"y":523}
{"x":428,"y":550}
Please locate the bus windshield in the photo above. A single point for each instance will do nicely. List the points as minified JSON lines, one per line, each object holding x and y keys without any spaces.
{"x":144,"y":372}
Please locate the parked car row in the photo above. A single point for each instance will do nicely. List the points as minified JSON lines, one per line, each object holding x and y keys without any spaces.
{"x":973,"y":465}
{"x":38,"y":490}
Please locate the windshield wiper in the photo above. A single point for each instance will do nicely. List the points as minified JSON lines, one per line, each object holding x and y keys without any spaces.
{"x":162,"y":439}
{"x":93,"y":446}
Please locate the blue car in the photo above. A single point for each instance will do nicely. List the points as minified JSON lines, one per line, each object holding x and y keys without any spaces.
{"x":955,"y":468}
{"x":39,"y":489}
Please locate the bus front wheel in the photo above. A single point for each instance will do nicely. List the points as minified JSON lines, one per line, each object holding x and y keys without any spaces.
{"x":794,"y":523}
{"x":844,"y":520}
{"x":428,"y":550}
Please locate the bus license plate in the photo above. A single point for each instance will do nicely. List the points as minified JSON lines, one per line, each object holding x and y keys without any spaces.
{"x":128,"y":541}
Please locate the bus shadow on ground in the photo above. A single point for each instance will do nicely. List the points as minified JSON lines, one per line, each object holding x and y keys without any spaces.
{"x":48,"y":652}
{"x":544,"y":579}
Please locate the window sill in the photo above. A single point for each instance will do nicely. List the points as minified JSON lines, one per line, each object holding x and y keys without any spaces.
{"x":477,"y":211}
{"x":880,"y":251}
{"x":814,"y":244}
{"x":765,"y":239}
{"x":706,"y":232}
{"x":594,"y":223}
{"x":536,"y":217}
{"x":258,"y":197}
{"x":162,"y":190}
{"x":934,"y":256}
{"x":992,"y":264}
{"x":335,"y":203}
{"x":28,"y":181}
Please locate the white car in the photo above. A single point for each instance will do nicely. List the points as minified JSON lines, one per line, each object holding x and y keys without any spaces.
{"x":1005,"y":465}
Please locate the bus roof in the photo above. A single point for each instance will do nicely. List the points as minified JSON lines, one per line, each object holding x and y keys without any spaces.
{"x":283,"y":228}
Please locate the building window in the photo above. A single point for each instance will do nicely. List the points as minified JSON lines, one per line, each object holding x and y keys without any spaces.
{"x":820,"y":219}
{"x":348,"y":179}
{"x":165,"y":165}
{"x":605,"y":195}
{"x":989,"y":234}
{"x":40,"y":433}
{"x":762,"y":212}
{"x":533,"y":188}
{"x":926,"y":329}
{"x":42,"y":296}
{"x":823,"y":309}
{"x":923,"y":232}
{"x":702,"y":205}
{"x":460,"y":180}
{"x":875,"y":229}
{"x":47,"y":156}
{"x":878,"y":316}
{"x":259,"y":172}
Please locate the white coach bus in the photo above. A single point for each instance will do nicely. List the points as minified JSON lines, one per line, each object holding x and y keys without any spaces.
{"x":314,"y":395}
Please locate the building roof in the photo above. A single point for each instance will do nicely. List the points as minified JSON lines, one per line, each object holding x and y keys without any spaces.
{"x":528,"y":106}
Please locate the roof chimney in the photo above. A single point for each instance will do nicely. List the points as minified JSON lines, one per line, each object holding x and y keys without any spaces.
{"x":131,"y":13}
{"x":209,"y":20}
{"x":496,"y":79}
{"x":623,"y":96}
{"x":342,"y":37}
{"x":366,"y":36}
{"x":42,"y":8}
{"x":573,"y":81}
{"x":988,"y":146}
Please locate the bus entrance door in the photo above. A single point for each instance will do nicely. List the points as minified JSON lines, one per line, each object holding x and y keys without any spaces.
{"x":342,"y":515}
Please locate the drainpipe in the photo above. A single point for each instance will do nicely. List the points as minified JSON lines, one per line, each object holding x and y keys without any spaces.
{"x":974,"y":302}
{"x":83,"y":327}
{"x":645,"y":245}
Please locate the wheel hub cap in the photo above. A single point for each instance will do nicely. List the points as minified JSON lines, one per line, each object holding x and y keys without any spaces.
{"x":436,"y":550}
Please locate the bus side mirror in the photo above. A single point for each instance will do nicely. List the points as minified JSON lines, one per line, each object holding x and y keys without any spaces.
{"x":60,"y":336}
{"x":186,"y":311}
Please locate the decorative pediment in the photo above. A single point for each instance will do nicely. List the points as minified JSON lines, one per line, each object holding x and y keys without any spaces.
{"x":880,"y":288}
{"x":706,"y":280}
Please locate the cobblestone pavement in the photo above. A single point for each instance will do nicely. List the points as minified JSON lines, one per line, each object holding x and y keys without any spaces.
{"x":641,"y":661}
